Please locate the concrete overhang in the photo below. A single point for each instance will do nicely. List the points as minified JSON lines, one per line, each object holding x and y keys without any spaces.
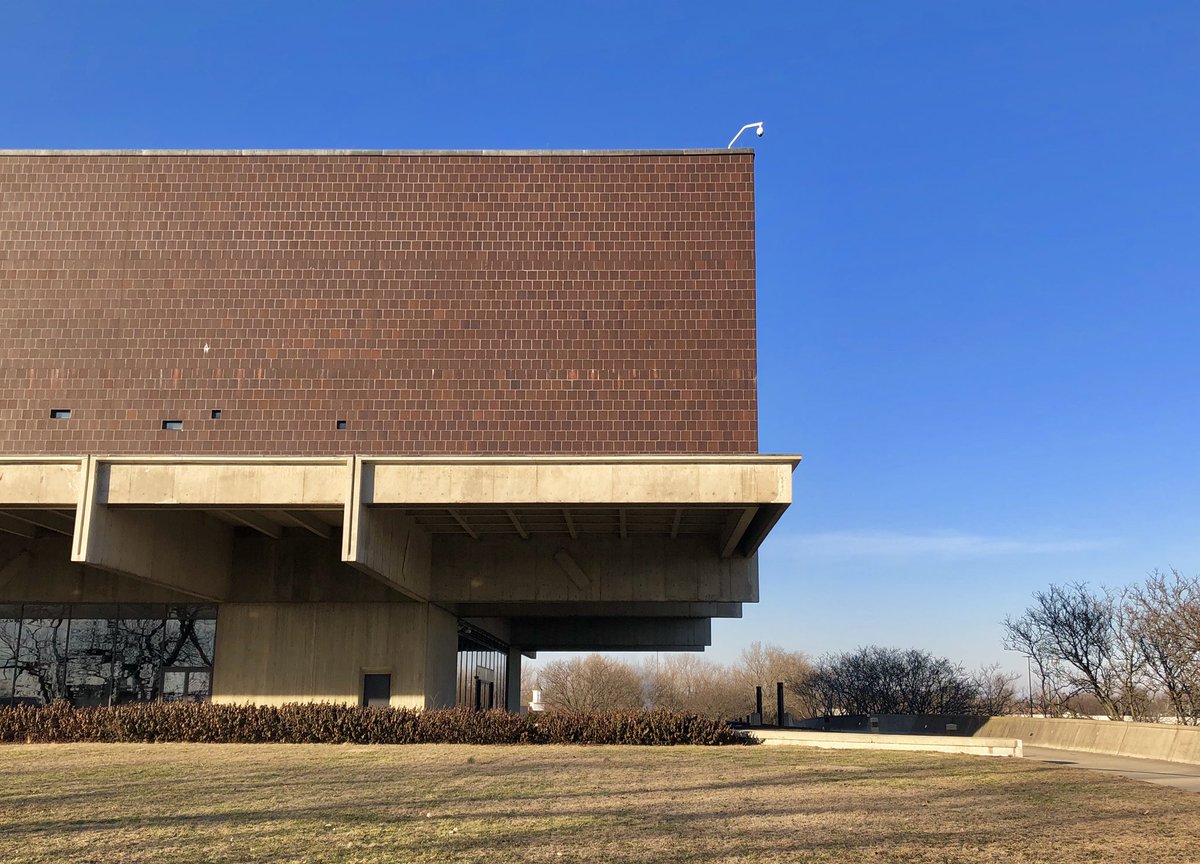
{"x":387,"y":509}
{"x":611,"y":634}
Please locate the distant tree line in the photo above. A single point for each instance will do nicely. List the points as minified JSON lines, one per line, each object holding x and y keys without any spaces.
{"x":1129,"y":652}
{"x":875,"y":680}
{"x":871,"y":680}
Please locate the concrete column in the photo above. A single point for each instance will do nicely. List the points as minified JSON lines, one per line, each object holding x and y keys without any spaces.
{"x":512,"y":699}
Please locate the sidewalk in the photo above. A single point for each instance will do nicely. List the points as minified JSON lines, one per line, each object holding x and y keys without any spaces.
{"x":1178,"y":774}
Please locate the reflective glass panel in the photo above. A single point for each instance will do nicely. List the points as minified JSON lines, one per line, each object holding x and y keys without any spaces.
{"x":42,"y":655}
{"x":90,"y":655}
{"x":10,"y":625}
{"x":140,"y":631}
{"x":191,"y":636}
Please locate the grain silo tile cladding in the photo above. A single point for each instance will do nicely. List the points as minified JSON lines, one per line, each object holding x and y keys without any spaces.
{"x":438,"y":303}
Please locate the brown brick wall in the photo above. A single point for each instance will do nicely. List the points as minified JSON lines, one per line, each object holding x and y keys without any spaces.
{"x":437,"y":303}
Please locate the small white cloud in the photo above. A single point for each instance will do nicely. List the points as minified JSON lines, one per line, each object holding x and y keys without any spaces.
{"x":891,"y":544}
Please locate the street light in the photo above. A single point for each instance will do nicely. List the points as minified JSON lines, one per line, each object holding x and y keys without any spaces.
{"x":758,"y":127}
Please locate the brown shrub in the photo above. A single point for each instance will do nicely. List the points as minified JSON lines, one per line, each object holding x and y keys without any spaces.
{"x":322,"y":723}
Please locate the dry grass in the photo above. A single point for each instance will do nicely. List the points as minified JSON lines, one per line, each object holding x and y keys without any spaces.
{"x":246,"y":803}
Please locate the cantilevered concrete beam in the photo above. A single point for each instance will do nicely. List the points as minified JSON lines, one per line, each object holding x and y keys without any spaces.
{"x":516,"y":523}
{"x":384,"y":542}
{"x":613,"y":481}
{"x":256,"y":521}
{"x":307,"y":521}
{"x":501,"y":568}
{"x":597,"y":610}
{"x":19,"y":527}
{"x":51,"y":482}
{"x":612,"y":634}
{"x":186,"y":550}
{"x":47,"y":520}
{"x":464,"y":524}
{"x":735,"y":529}
{"x":264,"y":482}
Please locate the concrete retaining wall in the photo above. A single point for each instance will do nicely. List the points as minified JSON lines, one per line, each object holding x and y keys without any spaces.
{"x":974,"y":746}
{"x":1112,"y":738}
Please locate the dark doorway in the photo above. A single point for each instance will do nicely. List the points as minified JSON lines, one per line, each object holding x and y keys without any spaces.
{"x":377,"y":690}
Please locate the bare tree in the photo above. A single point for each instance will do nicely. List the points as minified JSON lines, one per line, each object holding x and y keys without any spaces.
{"x":995,"y":691}
{"x":591,"y":683}
{"x":1074,"y":637}
{"x":1164,"y":615}
{"x":876,"y":680}
{"x":765,"y":665}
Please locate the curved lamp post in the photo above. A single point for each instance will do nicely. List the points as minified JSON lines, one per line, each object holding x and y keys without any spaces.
{"x":758,"y":127}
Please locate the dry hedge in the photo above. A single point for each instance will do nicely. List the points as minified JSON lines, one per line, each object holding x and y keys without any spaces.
{"x":340,"y":724}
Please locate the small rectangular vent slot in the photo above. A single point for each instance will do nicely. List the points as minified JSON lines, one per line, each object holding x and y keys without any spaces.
{"x":60,"y":413}
{"x":173,"y":425}
{"x":216,"y":414}
{"x":341,"y":424}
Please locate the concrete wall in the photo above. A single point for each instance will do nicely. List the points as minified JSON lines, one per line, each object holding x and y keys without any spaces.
{"x":40,"y":570}
{"x":298,"y":567}
{"x":857,"y":741}
{"x":1139,"y":740}
{"x":500,"y":569}
{"x":274,"y":653}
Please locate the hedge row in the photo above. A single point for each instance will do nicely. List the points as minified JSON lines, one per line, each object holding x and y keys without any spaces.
{"x":340,"y":724}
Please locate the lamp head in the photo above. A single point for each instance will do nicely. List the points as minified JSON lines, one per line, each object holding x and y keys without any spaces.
{"x":759,"y":130}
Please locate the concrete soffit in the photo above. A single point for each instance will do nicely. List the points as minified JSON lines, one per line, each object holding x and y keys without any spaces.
{"x":147,"y":515}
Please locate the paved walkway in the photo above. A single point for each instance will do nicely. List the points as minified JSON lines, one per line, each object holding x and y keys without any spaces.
{"x":1178,"y":774}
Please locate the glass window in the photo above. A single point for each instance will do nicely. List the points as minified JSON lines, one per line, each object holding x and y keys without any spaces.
{"x":10,"y":627}
{"x":90,"y":655}
{"x":140,"y":631}
{"x":97,"y":654}
{"x":191,"y":636}
{"x":42,"y":655}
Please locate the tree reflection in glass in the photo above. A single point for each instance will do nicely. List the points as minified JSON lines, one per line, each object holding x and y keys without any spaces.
{"x":93,"y":654}
{"x":42,"y":655}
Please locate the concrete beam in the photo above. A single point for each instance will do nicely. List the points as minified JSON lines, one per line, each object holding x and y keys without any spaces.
{"x":308,"y":521}
{"x":255,"y":521}
{"x":597,"y":610}
{"x":760,"y":526}
{"x":382,"y":542}
{"x":525,"y":481}
{"x":18,"y":527}
{"x":186,"y":551}
{"x":50,"y":576}
{"x":463,"y":524}
{"x":516,"y":523}
{"x":612,"y":634}
{"x":501,"y":568}
{"x":735,"y":529}
{"x":46,"y":519}
{"x":50,"y":482}
{"x":263,"y":482}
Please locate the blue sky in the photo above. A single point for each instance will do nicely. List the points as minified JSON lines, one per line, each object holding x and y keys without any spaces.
{"x":977,"y":243}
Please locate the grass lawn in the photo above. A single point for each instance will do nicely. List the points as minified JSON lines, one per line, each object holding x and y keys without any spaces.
{"x":243,"y":803}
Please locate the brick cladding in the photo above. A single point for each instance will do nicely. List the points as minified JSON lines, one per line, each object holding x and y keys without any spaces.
{"x":439,"y":304}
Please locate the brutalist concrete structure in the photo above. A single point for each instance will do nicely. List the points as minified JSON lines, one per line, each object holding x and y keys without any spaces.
{"x":369,"y":426}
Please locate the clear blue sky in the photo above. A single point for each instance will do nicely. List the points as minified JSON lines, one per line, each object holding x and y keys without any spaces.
{"x":978,"y":243}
